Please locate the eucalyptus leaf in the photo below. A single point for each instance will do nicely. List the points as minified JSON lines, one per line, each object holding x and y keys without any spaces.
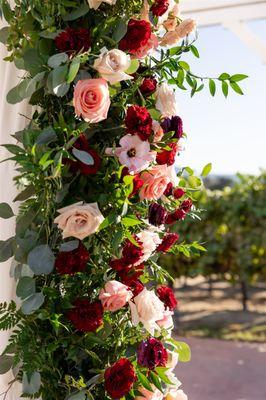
{"x":57,"y":59}
{"x":73,"y":70}
{"x":4,"y":33}
{"x":32,"y":303}
{"x":46,"y":136}
{"x":31,"y":384}
{"x":25,"y":194}
{"x":41,"y":260}
{"x":5,"y":211}
{"x":25,"y":287}
{"x":6,"y":362}
{"x":83,"y":156}
{"x":120,"y":30}
{"x":77,"y":13}
{"x":69,"y":246}
{"x":6,"y":249}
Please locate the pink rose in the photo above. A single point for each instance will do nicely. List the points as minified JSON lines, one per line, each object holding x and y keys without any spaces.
{"x":176,"y":395}
{"x":114,"y":295}
{"x":158,"y":131}
{"x":91,"y":99}
{"x":79,"y":220}
{"x":146,"y":394}
{"x":167,"y":321}
{"x":155,"y":180}
{"x":150,"y":240}
{"x":133,"y":153}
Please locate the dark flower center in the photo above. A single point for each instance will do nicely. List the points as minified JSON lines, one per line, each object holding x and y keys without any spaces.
{"x":131,"y":153}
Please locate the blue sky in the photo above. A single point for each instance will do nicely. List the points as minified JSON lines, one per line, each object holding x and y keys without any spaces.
{"x":229,"y":133}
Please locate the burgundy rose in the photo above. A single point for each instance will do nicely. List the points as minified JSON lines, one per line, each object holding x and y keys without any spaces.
{"x":151,"y":353}
{"x":186,"y":205}
{"x":131,"y":254}
{"x":131,"y":279}
{"x":82,"y":144}
{"x":148,"y":86}
{"x":177,"y":215}
{"x":178,"y":193}
{"x":137,"y":36}
{"x":167,"y":296}
{"x":159,"y":7}
{"x":157,"y":214}
{"x":138,"y":122}
{"x":86,"y":316}
{"x":169,"y":190}
{"x":168,"y":241}
{"x":167,"y":156}
{"x":174,"y":124}
{"x":73,"y":40}
{"x":70,"y":262}
{"x":119,"y":378}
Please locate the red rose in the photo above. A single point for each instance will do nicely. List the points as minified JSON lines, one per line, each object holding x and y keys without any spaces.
{"x":82,"y":144}
{"x":73,"y":40}
{"x":119,"y":378}
{"x":167,"y":156}
{"x":186,"y":205}
{"x":151,"y":353}
{"x":174,"y":124}
{"x":138,"y":122}
{"x":178,"y":193}
{"x":168,"y":241}
{"x":159,"y":7}
{"x":177,"y":215}
{"x":86,"y":316}
{"x":157,"y":214}
{"x":167,"y":296}
{"x":148,"y":86}
{"x":169,"y":190}
{"x":137,"y":181}
{"x":137,"y":36}
{"x":131,"y":254}
{"x":70,"y":262}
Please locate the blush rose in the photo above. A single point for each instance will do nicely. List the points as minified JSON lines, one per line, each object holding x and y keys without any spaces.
{"x":112,"y":65}
{"x":155,"y":181}
{"x":115,"y":295}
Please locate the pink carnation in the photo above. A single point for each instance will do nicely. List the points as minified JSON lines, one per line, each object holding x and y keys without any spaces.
{"x":115,"y":295}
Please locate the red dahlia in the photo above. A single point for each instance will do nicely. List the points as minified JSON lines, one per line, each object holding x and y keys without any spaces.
{"x":167,"y":156}
{"x":151,"y":353}
{"x":138,"y":122}
{"x":159,"y":7}
{"x":73,"y":40}
{"x":86,"y":316}
{"x":148,"y":86}
{"x":70,"y":262}
{"x":119,"y":378}
{"x":137,"y":36}
{"x":168,"y":241}
{"x":167,"y":296}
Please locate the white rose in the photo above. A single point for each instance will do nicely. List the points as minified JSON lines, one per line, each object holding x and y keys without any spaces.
{"x":112,"y":65}
{"x":95,"y":4}
{"x":79,"y":220}
{"x":147,"y":308}
{"x":150,"y":241}
{"x":165,"y":101}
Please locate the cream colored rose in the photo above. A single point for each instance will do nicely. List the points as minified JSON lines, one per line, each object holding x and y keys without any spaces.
{"x":95,"y":4}
{"x":112,"y":65}
{"x":147,"y":308}
{"x":79,"y":220}
{"x":165,"y":101}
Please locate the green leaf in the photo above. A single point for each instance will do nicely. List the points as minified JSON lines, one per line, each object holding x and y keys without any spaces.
{"x":83,"y":156}
{"x":206,"y":170}
{"x":120,"y":30}
{"x":144,"y":381}
{"x":4,"y":33}
{"x":6,"y":363}
{"x":41,"y":260}
{"x":161,"y":372}
{"x":81,"y":395}
{"x":33,"y":84}
{"x":212,"y":87}
{"x":59,"y":85}
{"x":110,"y":219}
{"x":6,"y":9}
{"x":18,"y":93}
{"x":6,"y":249}
{"x":238,"y":77}
{"x":155,"y":114}
{"x":130,"y":220}
{"x":194,"y":51}
{"x":25,"y":194}
{"x":133,"y":67}
{"x":25,"y":287}
{"x":5,"y":211}
{"x":236,"y":88}
{"x":225,"y":88}
{"x":46,"y":136}
{"x":31,"y":384}
{"x":69,"y":246}
{"x":184,"y":65}
{"x":189,"y":171}
{"x":32,"y":303}
{"x":77,"y":13}
{"x":224,"y":76}
{"x":73,"y":70}
{"x":156,"y":381}
{"x":57,"y":59}
{"x":183,"y":350}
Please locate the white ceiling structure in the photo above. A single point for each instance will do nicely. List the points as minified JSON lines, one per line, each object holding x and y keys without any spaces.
{"x":233,"y":15}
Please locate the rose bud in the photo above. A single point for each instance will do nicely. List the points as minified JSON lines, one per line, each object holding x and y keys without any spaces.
{"x":186,"y":205}
{"x":167,"y":296}
{"x":178,"y":193}
{"x":148,"y":86}
{"x":168,"y":241}
{"x":159,"y":7}
{"x":177,"y":215}
{"x":157,"y":214}
{"x":169,"y":190}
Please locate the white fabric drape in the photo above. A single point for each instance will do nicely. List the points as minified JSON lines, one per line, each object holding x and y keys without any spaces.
{"x":11,"y":121}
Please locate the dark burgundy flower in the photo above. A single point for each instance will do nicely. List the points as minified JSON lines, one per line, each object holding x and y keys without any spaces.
{"x":186,"y":205}
{"x":157,"y":214}
{"x":178,"y":193}
{"x":119,"y":378}
{"x":148,"y":86}
{"x":131,"y":279}
{"x":82,"y":144}
{"x":138,"y":122}
{"x":174,"y":124}
{"x":137,"y":36}
{"x":159,"y":7}
{"x":151,"y":353}
{"x":131,"y":254}
{"x":86,"y":316}
{"x":73,"y":40}
{"x":177,"y":215}
{"x":168,"y":241}
{"x":167,"y":296}
{"x":167,"y":156}
{"x":70,"y":262}
{"x":169,"y":190}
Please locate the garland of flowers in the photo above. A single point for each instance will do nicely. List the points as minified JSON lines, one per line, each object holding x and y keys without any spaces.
{"x":99,"y":196}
